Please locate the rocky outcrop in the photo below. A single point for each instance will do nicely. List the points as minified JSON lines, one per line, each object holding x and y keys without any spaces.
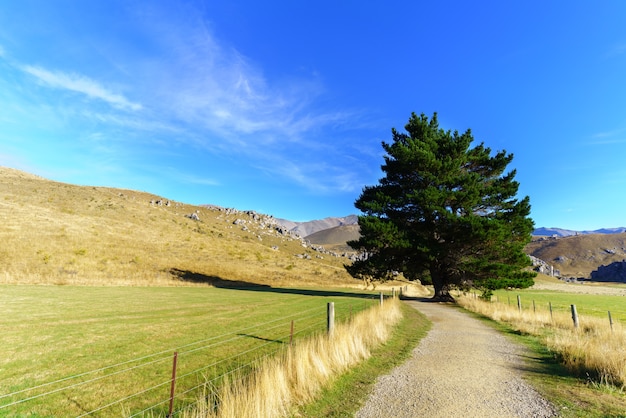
{"x":542,"y":267}
{"x":614,"y":272}
{"x":193,"y":216}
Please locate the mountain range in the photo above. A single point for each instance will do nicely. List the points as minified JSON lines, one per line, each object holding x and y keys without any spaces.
{"x":559,"y":232}
{"x":599,"y":255}
{"x":61,"y":233}
{"x":307,"y":229}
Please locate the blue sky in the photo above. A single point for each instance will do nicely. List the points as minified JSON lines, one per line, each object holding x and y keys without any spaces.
{"x":281,"y":106}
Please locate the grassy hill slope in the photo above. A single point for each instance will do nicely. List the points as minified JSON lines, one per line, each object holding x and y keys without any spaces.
{"x":56,"y":233}
{"x":336,"y":238}
{"x":578,"y":256}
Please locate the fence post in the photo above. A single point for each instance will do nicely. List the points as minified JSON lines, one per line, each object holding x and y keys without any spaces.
{"x":550,"y":306}
{"x":534,"y":307}
{"x":519,"y":303}
{"x":381,"y":298}
{"x":173,"y":385}
{"x":611,"y":321}
{"x":574,"y":316}
{"x":291,"y":334}
{"x":393,"y":293}
{"x":330,"y":317}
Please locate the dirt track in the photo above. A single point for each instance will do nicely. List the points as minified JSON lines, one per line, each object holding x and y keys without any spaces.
{"x":462,"y":368}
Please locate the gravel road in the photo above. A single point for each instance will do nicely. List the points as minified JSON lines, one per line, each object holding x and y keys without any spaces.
{"x":462,"y":368}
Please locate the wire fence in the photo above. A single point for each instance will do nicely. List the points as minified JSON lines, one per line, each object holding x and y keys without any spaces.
{"x":148,"y":385}
{"x":528,"y":304}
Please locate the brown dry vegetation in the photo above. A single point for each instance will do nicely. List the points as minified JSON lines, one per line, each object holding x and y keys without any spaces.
{"x":579,"y":255}
{"x":56,"y":233}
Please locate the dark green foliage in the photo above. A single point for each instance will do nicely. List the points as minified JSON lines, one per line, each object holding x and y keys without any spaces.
{"x":444,"y":213}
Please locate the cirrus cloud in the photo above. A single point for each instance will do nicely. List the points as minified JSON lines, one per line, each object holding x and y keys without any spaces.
{"x":81,"y":84}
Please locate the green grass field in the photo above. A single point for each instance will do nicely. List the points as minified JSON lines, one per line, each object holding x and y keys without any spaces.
{"x":586,"y":304}
{"x":78,"y":349}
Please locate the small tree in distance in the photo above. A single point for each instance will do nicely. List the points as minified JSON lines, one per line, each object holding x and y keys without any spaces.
{"x":444,"y":213}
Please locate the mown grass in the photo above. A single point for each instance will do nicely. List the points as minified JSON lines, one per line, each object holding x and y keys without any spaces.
{"x":55,"y":332}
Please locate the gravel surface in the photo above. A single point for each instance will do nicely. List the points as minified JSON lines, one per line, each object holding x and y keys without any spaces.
{"x":462,"y":368}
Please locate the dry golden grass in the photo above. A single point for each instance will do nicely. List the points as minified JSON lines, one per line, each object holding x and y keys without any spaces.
{"x":295,"y":377}
{"x":55,"y":233}
{"x":593,"y":350}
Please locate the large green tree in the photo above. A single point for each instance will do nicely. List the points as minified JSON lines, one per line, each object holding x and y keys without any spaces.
{"x":444,"y":213}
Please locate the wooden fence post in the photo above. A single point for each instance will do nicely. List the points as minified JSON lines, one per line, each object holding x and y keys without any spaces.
{"x":611,"y":321}
{"x":330,"y":317}
{"x":574,"y":316}
{"x":381,"y":298}
{"x":173,"y":385}
{"x":291,"y":334}
{"x":534,"y":307}
{"x":550,"y":306}
{"x":519,"y":303}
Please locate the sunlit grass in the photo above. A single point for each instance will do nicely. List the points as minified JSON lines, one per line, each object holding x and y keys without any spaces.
{"x":55,"y":233}
{"x":298,"y":374}
{"x":52,"y":332}
{"x":594,"y":349}
{"x":586,"y":304}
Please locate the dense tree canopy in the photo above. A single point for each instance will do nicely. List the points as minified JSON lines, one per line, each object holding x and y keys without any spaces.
{"x":444,"y":213}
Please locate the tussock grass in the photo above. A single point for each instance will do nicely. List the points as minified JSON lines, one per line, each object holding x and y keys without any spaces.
{"x":300,"y":372}
{"x":56,"y":233}
{"x":593,"y":350}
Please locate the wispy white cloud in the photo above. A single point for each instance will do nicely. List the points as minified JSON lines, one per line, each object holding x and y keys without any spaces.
{"x":617,"y":49}
{"x":203,"y":81}
{"x":609,"y":137}
{"x":80,"y":84}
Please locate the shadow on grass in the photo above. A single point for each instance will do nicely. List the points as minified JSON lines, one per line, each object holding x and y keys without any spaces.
{"x":256,"y":337}
{"x":215,"y":281}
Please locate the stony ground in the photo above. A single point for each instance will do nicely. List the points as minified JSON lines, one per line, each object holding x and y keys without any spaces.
{"x":462,"y":368}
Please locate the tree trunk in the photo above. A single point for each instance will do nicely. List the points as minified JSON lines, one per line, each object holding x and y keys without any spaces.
{"x":442,"y":288}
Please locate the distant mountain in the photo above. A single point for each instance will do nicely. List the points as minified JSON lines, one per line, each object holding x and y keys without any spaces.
{"x":559,"y":232}
{"x":336,"y":238}
{"x":556,"y":232}
{"x":304,"y":229}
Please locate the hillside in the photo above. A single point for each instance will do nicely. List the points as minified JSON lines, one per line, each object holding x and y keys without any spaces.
{"x":305,"y":229}
{"x":58,"y":233}
{"x":335,"y":238}
{"x":582,"y":255}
